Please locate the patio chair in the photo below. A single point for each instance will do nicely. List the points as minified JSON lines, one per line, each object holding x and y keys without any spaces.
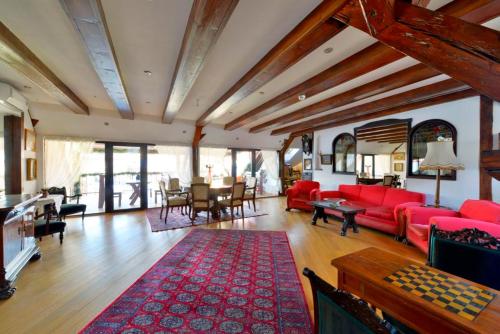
{"x":235,"y":201}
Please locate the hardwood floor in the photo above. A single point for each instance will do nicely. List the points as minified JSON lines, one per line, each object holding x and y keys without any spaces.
{"x":100,"y":258}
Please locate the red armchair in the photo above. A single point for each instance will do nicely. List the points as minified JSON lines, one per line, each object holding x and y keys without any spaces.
{"x":300,"y":194}
{"x":383,"y":205}
{"x":480,"y":214}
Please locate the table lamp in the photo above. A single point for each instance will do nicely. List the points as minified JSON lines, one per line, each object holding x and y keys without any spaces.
{"x":440,"y":155}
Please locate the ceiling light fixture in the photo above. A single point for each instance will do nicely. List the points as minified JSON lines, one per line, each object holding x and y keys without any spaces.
{"x":148,"y":102}
{"x":148,"y":73}
{"x":261,"y":93}
{"x":328,"y":50}
{"x":27,"y":87}
{"x":302,"y":97}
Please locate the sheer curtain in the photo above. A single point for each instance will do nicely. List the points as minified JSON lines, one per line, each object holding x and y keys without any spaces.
{"x":271,"y":162}
{"x":176,"y":162}
{"x":63,"y":160}
{"x":218,"y":158}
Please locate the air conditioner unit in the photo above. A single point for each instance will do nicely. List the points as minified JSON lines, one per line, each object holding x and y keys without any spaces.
{"x":11,"y":101}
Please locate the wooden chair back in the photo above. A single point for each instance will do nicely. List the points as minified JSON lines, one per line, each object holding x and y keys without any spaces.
{"x":200,"y":195}
{"x":388,"y":180}
{"x":228,"y":180}
{"x":237,"y":193}
{"x":198,"y":179}
{"x":174,"y":184}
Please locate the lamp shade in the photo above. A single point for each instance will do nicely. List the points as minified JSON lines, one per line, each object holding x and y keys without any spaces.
{"x":440,"y":155}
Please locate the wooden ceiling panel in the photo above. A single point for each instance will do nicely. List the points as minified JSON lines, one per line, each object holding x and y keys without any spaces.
{"x":18,"y":56}
{"x":309,"y":34}
{"x":206,"y":22}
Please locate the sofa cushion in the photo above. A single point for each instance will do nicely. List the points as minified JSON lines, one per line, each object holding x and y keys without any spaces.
{"x":349,"y":191}
{"x":384,"y":225}
{"x":481,"y":210}
{"x":380,"y":212}
{"x":372,"y":194}
{"x":421,"y":231}
{"x":360,"y":204}
{"x":394,"y":197}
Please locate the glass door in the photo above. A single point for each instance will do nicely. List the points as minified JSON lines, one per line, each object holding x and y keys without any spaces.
{"x":243,"y":164}
{"x":126,"y":177}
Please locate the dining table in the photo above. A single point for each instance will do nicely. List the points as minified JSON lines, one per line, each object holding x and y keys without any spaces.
{"x":216,"y":191}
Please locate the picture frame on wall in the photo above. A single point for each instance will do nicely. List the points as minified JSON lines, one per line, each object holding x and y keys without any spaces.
{"x":31,"y":169}
{"x":308,"y":164}
{"x":29,"y":140}
{"x":399,"y":156}
{"x":399,"y":167}
{"x":326,"y":159}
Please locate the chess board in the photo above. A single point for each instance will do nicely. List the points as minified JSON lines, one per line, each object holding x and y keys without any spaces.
{"x":458,"y":297}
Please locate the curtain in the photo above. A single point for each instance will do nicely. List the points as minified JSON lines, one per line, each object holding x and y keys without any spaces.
{"x":271,"y":163}
{"x":218,"y":158}
{"x":63,"y":160}
{"x":174,"y":161}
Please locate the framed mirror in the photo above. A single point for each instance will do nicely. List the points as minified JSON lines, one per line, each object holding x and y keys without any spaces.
{"x":344,"y":154}
{"x":381,"y":151}
{"x":423,"y":133}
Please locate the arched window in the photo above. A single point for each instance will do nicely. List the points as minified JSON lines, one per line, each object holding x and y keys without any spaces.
{"x":423,"y":133}
{"x":344,"y":154}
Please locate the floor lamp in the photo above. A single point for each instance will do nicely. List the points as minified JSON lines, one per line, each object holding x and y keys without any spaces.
{"x":440,"y":156}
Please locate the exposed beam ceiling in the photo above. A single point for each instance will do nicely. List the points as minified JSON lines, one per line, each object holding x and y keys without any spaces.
{"x":314,"y":30}
{"x":90,"y":22}
{"x":366,"y":60}
{"x":413,"y":95}
{"x":206,"y":22}
{"x":396,"y":80}
{"x":465,"y":51}
{"x":382,"y":129}
{"x":449,"y":97}
{"x":17,"y":55}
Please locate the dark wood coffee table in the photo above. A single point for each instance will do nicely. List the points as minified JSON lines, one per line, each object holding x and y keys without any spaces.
{"x":348,"y":212}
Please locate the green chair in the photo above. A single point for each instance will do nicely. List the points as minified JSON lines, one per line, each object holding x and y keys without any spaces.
{"x":68,"y":208}
{"x":339,"y":312}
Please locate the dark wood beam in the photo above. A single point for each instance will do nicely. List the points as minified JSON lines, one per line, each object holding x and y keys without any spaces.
{"x":90,"y":22}
{"x":396,"y":80}
{"x":317,"y":28}
{"x":467,"y":52}
{"x":281,"y":159}
{"x":381,"y":135}
{"x":396,"y":110}
{"x":414,"y":95}
{"x":18,"y":56}
{"x":485,"y":144}
{"x":386,"y":138}
{"x":206,"y":22}
{"x":367,"y":60}
{"x":382,"y":129}
{"x":197,"y":137}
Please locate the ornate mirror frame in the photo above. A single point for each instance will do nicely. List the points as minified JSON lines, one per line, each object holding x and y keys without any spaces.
{"x":334,"y":158}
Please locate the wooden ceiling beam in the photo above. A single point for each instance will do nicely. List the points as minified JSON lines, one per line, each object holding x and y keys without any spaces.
{"x":404,"y":132}
{"x":90,"y":22}
{"x":414,"y":95}
{"x":396,"y":80}
{"x":467,"y":52}
{"x":382,"y":129}
{"x":367,"y":60}
{"x":395,"y":110}
{"x":314,"y":30}
{"x":384,"y":138}
{"x":206,"y":22}
{"x":18,"y":56}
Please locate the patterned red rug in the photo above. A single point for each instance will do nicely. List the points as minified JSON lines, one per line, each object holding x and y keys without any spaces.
{"x":214,"y":281}
{"x":176,"y":220}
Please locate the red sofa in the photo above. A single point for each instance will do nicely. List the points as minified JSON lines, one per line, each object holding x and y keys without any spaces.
{"x":480,"y":214}
{"x":382,"y":205}
{"x":300,"y":194}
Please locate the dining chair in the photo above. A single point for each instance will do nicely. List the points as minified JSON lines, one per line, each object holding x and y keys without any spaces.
{"x":198,"y":179}
{"x":388,"y":179}
{"x":250,"y":191}
{"x":200,"y":200}
{"x":171,"y":200}
{"x":174,"y":184}
{"x":228,"y":180}
{"x":68,"y":208}
{"x":235,"y":201}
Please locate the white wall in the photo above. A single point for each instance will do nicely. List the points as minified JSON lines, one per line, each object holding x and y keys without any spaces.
{"x":464,"y":115}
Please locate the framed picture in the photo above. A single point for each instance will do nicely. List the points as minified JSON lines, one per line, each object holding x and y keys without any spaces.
{"x":29,"y":140}
{"x":399,"y":156}
{"x":31,"y":169}
{"x":399,"y":167}
{"x":308,"y":164}
{"x":326,"y":159}
{"x":307,"y":143}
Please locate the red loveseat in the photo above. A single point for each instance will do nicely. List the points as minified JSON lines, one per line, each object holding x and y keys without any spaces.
{"x":480,"y":214}
{"x":382,"y":205}
{"x":300,"y":194}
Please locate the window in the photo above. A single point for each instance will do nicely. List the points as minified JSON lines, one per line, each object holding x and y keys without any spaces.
{"x":423,"y":133}
{"x":344,"y":154}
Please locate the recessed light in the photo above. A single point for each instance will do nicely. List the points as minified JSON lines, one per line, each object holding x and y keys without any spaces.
{"x":148,"y":102}
{"x":237,"y":138}
{"x":148,"y":73}
{"x":302,"y":97}
{"x":231,"y":112}
{"x":106,"y":123}
{"x":261,"y":93}
{"x":183,"y":131}
{"x":328,"y":50}
{"x":27,"y":87}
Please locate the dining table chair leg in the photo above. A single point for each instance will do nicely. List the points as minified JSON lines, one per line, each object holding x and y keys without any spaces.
{"x":232,"y":215}
{"x":208,"y":216}
{"x":161,"y":212}
{"x":242,"y":213}
{"x":166,"y":215}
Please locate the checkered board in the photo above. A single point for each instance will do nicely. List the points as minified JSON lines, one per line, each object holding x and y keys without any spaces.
{"x":458,"y":297}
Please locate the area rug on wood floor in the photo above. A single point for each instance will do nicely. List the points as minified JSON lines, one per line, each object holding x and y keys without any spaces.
{"x":214,"y":281}
{"x":177,"y":220}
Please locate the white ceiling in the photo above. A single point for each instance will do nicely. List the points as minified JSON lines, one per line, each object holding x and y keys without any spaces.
{"x":147,"y":35}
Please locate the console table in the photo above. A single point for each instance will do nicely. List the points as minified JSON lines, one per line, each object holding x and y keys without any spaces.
{"x":17,"y":241}
{"x":364,"y":273}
